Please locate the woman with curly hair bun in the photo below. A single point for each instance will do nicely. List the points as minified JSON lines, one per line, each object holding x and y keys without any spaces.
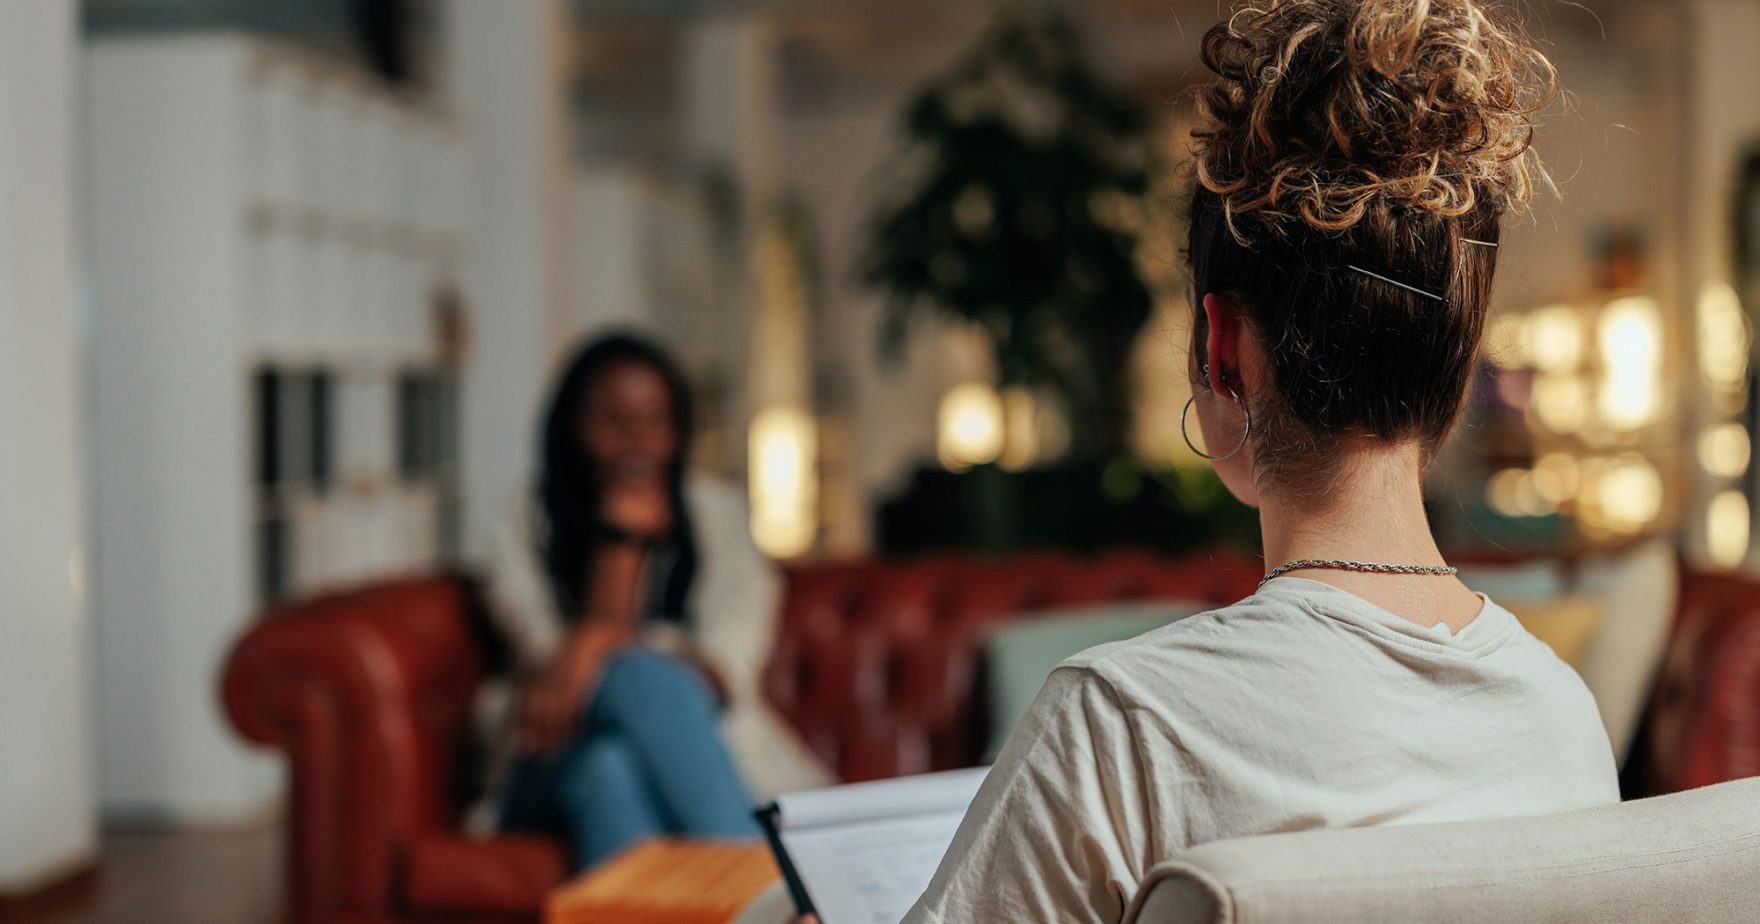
{"x":1355,"y":159}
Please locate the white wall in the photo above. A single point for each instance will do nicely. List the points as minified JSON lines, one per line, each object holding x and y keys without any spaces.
{"x":167,"y":411}
{"x":613,"y":250}
{"x":46,"y":816}
{"x":1611,"y":148}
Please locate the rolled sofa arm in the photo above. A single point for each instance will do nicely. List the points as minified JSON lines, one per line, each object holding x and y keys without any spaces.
{"x":1705,"y":711}
{"x":369,"y":695}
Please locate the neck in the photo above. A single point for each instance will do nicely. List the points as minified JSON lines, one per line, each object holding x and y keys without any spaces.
{"x":1375,"y":513}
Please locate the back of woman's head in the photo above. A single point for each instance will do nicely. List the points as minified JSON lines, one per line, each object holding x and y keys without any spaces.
{"x":1354,"y":161}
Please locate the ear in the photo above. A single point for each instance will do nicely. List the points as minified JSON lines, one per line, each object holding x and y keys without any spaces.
{"x":1222,"y":341}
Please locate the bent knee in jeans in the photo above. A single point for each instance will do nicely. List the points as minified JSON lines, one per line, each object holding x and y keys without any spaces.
{"x":640,"y":684}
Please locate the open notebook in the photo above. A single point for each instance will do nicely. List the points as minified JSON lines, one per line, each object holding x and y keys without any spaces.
{"x":862,"y":853}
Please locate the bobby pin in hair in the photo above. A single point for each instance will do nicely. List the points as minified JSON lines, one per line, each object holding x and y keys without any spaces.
{"x":1394,"y":282}
{"x":1468,"y":240}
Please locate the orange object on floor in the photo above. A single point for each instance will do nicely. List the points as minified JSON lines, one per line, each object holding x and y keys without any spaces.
{"x":666,"y":882}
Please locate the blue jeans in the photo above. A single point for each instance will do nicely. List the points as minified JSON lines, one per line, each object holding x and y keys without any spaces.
{"x":646,"y":761}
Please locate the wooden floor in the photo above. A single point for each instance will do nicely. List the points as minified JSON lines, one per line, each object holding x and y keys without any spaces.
{"x":230,"y":876}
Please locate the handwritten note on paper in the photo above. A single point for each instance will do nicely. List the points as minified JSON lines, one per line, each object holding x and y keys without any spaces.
{"x":889,"y":870}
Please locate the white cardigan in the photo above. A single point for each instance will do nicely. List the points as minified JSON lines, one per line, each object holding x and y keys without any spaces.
{"x":733,"y":604}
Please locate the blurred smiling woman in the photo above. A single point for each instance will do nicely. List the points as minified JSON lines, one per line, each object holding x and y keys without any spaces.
{"x":1354,"y":161}
{"x":640,"y":616}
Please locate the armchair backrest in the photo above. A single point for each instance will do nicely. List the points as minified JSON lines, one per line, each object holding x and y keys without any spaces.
{"x":1691,"y":856}
{"x":876,"y":663}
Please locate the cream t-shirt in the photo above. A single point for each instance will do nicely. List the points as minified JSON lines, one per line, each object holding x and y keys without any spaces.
{"x":1302,"y":706}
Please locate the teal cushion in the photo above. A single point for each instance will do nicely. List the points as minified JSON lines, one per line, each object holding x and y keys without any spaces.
{"x":1537,"y":579}
{"x":1020,"y":654}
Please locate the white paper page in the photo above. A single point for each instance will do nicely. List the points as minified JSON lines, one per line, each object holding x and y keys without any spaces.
{"x":871,"y":872}
{"x":880,"y":800}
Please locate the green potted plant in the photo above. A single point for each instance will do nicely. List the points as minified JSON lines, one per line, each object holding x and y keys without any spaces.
{"x":1020,"y":213}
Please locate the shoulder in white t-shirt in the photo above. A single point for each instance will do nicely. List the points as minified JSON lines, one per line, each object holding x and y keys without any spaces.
{"x":1302,"y":706}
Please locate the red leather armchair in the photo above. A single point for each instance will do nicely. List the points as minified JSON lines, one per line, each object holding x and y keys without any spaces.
{"x":1704,"y":719}
{"x":369,"y":694}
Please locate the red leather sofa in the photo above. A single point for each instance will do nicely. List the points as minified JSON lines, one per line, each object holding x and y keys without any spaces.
{"x":369,"y":695}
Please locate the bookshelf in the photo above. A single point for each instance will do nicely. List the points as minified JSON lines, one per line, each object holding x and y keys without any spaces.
{"x":272,"y":240}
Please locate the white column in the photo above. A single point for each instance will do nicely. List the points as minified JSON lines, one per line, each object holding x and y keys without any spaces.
{"x":505,"y":67}
{"x":729,"y":128}
{"x":46,"y":813}
{"x":613,"y":250}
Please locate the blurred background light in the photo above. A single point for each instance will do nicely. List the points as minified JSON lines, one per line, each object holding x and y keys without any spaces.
{"x":971,"y":426}
{"x":784,"y":491}
{"x":1621,"y":495}
{"x":1555,"y":339}
{"x":1723,"y":338}
{"x":1557,"y":477}
{"x":1561,"y":402}
{"x":1727,"y":527}
{"x":1724,"y":450}
{"x":1630,"y":334}
{"x":1516,"y":492}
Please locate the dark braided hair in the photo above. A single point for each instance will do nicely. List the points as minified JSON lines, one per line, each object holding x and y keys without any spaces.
{"x":569,"y":489}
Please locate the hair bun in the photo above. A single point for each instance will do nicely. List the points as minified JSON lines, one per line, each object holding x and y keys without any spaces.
{"x":1325,"y":109}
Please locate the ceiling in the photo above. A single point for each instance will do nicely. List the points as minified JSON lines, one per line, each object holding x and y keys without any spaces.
{"x":624,"y":53}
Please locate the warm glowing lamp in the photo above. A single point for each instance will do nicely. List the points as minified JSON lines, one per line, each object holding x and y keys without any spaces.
{"x":1723,"y":338}
{"x":1557,"y":476}
{"x":1561,"y":402}
{"x":1727,"y":527}
{"x":1515,"y":492}
{"x":784,"y":489}
{"x":1631,"y":356}
{"x":970,"y":431}
{"x":1555,"y":339}
{"x":1723,"y":450}
{"x":1628,"y":495}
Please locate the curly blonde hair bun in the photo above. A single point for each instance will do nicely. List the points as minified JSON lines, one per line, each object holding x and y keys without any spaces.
{"x":1325,"y":109}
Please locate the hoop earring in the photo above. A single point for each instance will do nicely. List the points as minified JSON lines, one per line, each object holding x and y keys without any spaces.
{"x":1246,"y":430}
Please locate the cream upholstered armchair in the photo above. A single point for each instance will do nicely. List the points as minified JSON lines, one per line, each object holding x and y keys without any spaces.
{"x":1688,"y":857}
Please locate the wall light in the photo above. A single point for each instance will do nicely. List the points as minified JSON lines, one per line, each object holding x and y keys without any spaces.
{"x":783,"y":484}
{"x":1621,"y":495}
{"x":1560,"y":402}
{"x":971,"y":426}
{"x":1727,"y":527}
{"x":1555,"y":339}
{"x":1515,"y":492}
{"x":1723,"y":450}
{"x":1557,"y":477}
{"x":1723,"y":338}
{"x":1631,"y":356}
